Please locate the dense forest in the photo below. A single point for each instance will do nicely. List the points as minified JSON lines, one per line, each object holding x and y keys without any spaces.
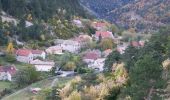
{"x":47,"y":16}
{"x":41,"y":9}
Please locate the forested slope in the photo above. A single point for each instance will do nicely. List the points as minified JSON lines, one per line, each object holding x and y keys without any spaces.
{"x":45,"y":15}
{"x":42,"y":9}
{"x":139,"y":14}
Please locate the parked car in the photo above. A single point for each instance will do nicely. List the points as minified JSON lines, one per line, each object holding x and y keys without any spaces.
{"x":2,"y":54}
{"x":65,"y":73}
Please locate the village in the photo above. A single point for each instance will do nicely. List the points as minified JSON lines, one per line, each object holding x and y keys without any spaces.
{"x":83,"y":46}
{"x":84,"y":50}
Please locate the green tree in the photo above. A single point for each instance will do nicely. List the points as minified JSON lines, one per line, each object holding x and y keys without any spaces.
{"x":54,"y":95}
{"x":10,"y":58}
{"x":114,"y":28}
{"x":70,"y":66}
{"x":144,"y":76}
{"x":27,"y":76}
{"x":107,"y":44}
{"x":130,"y":57}
{"x":114,"y":57}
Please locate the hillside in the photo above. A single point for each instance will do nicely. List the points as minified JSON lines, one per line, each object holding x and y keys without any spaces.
{"x":142,"y":14}
{"x":41,"y":9}
{"x":45,"y":16}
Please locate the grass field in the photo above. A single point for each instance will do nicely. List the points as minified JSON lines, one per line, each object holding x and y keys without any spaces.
{"x":18,"y":65}
{"x":4,"y":85}
{"x":25,"y":94}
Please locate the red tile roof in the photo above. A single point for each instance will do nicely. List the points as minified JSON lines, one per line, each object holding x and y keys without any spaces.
{"x":135,"y":43}
{"x":23,"y":52}
{"x":107,"y":52}
{"x":36,"y":51}
{"x":91,"y":55}
{"x":11,"y":69}
{"x":104,"y":34}
{"x":138,"y":44}
{"x":100,"y":24}
{"x":142,"y":43}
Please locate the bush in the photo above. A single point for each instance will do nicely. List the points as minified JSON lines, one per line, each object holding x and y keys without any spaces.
{"x":10,"y":58}
{"x":74,"y":96}
{"x":81,"y":70}
{"x":5,"y":92}
{"x":69,"y":66}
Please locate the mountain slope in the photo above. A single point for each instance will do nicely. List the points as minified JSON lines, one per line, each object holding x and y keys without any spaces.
{"x":41,"y":9}
{"x":142,"y":14}
{"x":40,"y":13}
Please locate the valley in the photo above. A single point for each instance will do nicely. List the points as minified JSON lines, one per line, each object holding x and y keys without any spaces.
{"x":84,"y":49}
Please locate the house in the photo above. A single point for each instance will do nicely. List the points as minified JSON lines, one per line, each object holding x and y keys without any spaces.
{"x":103,"y":34}
{"x":54,"y":50}
{"x":100,"y":26}
{"x":91,"y":56}
{"x":121,"y":48}
{"x":137,"y":43}
{"x":9,"y":19}
{"x":28,"y":24}
{"x":7,"y":72}
{"x":83,"y":40}
{"x":98,"y":64}
{"x":38,"y":53}
{"x":117,"y":39}
{"x":24,"y":55}
{"x":142,"y":43}
{"x":84,"y":37}
{"x":107,"y":52}
{"x":78,"y":23}
{"x":69,"y":45}
{"x":43,"y":66}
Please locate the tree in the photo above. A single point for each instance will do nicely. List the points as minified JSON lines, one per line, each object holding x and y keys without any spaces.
{"x":114,"y":28}
{"x":74,"y":96}
{"x":144,"y":76}
{"x":10,"y":58}
{"x":54,"y":95}
{"x":130,"y":57}
{"x":107,"y":44}
{"x":70,"y":66}
{"x":27,"y":76}
{"x":91,"y":44}
{"x":113,"y":95}
{"x":114,"y":57}
{"x":100,"y":38}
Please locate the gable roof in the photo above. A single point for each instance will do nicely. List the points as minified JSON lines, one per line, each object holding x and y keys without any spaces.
{"x":138,"y":44}
{"x":11,"y":69}
{"x":40,"y":62}
{"x":95,"y":54}
{"x":100,"y":24}
{"x":104,"y":34}
{"x":91,"y":56}
{"x":23,"y":52}
{"x":37,"y":51}
{"x":83,"y":38}
{"x":54,"y":48}
{"x":107,"y":52}
{"x":135,"y":44}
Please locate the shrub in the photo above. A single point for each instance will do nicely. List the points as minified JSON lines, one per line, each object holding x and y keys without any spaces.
{"x":10,"y":58}
{"x":70,"y":66}
{"x":74,"y":96}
